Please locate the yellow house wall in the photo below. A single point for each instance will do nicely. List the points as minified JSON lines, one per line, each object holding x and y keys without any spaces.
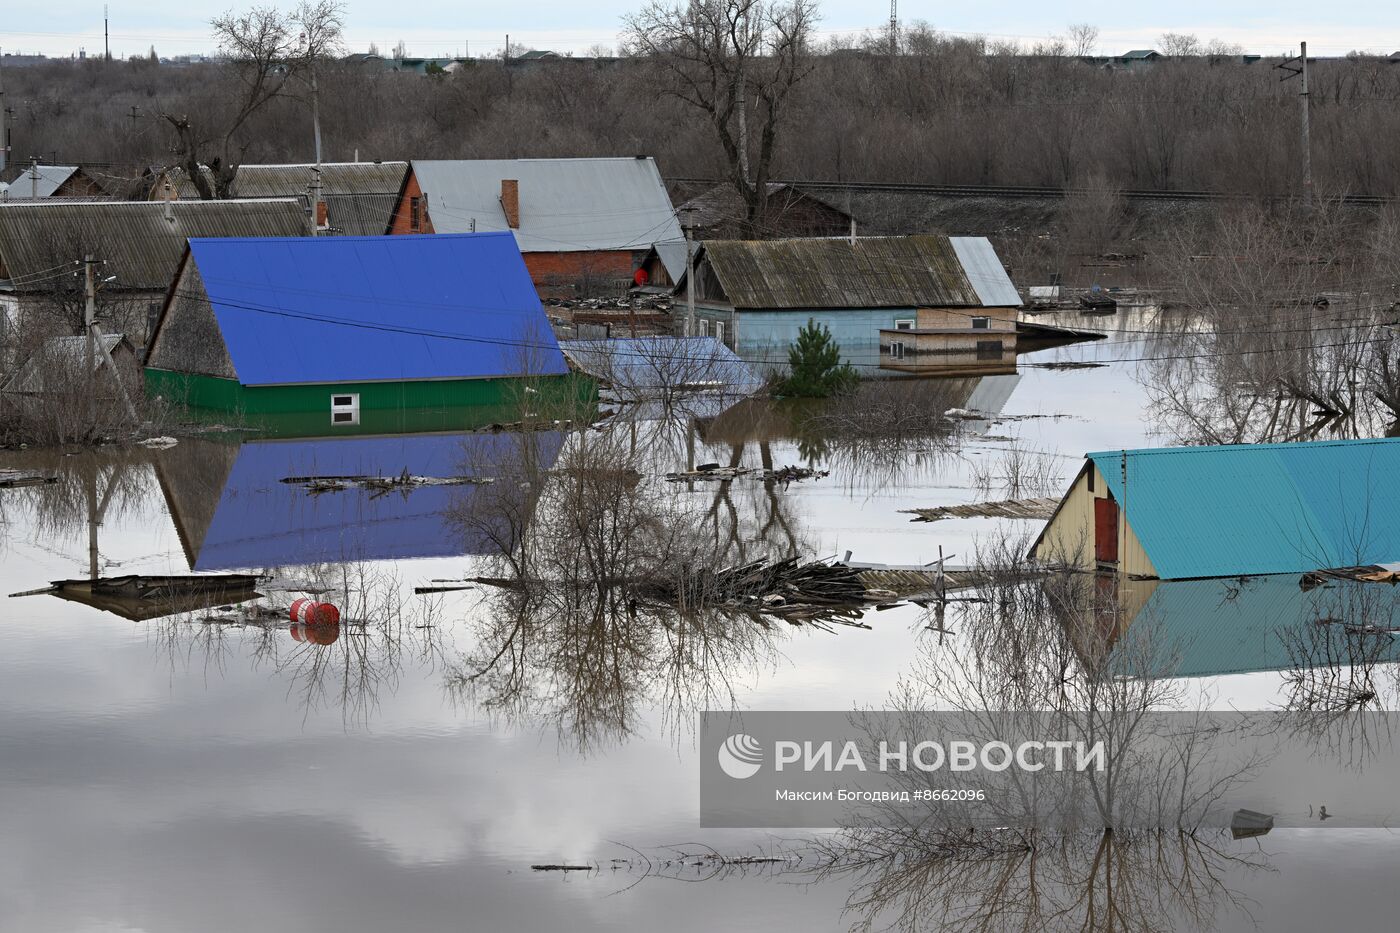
{"x":1069,"y":537}
{"x":1002,"y":320}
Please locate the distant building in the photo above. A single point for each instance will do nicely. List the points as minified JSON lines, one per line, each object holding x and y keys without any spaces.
{"x":1137,"y":58}
{"x":349,"y":329}
{"x":139,"y":245}
{"x":52,"y":181}
{"x":582,"y":224}
{"x":536,"y":55}
{"x":1180,"y":513}
{"x":896,"y":299}
{"x":721,"y":214}
{"x":359,"y":197}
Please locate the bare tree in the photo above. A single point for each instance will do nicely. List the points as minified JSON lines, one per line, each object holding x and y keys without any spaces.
{"x":267,"y":50}
{"x":725,"y":57}
{"x":1083,"y":39}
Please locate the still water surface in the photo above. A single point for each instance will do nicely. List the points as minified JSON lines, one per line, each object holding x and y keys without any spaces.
{"x":170,"y":775}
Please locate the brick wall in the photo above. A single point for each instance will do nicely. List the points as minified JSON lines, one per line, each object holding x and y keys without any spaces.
{"x":589,"y":269}
{"x":403,"y":211}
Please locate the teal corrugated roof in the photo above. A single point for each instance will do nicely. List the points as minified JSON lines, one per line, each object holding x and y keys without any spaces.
{"x":1260,"y":508}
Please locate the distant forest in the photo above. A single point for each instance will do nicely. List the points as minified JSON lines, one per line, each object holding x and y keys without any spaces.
{"x":944,"y":111}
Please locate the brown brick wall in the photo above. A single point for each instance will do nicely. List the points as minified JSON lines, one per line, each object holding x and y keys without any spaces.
{"x":575,"y":267}
{"x":403,"y":211}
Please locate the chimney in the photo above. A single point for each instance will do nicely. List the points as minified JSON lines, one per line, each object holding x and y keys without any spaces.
{"x":322,"y":222}
{"x":510,"y":202}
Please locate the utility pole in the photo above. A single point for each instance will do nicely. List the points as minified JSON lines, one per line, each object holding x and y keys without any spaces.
{"x":317,"y":209}
{"x":34,"y":178}
{"x":316,"y":114}
{"x":4,"y":122}
{"x":93,"y":333}
{"x":106,"y":45}
{"x":894,"y":27}
{"x":1295,"y":72}
{"x":689,"y":276}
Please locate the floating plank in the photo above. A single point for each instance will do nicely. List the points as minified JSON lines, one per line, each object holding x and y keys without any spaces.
{"x":14,"y":479}
{"x":1006,"y":508}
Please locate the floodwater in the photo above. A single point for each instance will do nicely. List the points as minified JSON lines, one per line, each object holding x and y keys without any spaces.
{"x":179,"y":774}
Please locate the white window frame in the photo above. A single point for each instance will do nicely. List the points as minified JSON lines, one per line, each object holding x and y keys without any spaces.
{"x":704,"y":327}
{"x":345,"y":408}
{"x":897,"y":350}
{"x":981,"y":323}
{"x":904,"y":323}
{"x":719,"y":331}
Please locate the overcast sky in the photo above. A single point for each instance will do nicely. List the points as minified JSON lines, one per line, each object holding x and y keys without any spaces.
{"x":445,"y":27}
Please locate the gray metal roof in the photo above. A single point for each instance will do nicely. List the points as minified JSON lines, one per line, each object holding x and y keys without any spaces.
{"x":51,"y":178}
{"x":337,"y":178}
{"x":869,"y":272}
{"x":986,"y":273}
{"x":139,"y":243}
{"x":566,"y":205}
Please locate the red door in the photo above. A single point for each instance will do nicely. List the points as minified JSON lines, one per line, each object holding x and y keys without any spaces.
{"x":1106,"y":531}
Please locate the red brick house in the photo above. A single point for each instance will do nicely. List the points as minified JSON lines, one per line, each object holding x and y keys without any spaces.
{"x":583,"y":225}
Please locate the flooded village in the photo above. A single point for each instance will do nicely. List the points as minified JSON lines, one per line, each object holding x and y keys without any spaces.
{"x":384,"y":538}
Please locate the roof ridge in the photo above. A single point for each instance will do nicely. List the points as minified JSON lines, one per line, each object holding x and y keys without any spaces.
{"x":1204,"y":448}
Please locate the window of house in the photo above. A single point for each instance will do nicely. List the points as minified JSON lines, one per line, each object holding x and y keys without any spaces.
{"x":704,"y":328}
{"x":989,"y":349}
{"x":897,"y":350}
{"x":905,"y":323}
{"x":981,"y":323}
{"x":719,"y":331}
{"x":415,"y":214}
{"x":345,"y":409}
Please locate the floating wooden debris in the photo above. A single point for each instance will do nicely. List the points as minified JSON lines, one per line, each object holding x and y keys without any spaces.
{"x":380,"y":485}
{"x":793,"y":474}
{"x":442,"y":588}
{"x":1006,"y":508}
{"x":14,"y":479}
{"x":1370,"y":573}
{"x":139,"y":597}
{"x":717,"y":473}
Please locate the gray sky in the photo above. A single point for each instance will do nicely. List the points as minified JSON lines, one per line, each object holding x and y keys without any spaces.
{"x":438,"y":27}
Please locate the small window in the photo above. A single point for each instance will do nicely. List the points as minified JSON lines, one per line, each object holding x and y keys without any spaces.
{"x":719,"y":331}
{"x":414,"y":214}
{"x":906,"y":323}
{"x":981,"y":323}
{"x":704,"y":328}
{"x":345,"y":409}
{"x":897,"y":350}
{"x":1091,"y":479}
{"x":989,"y":349}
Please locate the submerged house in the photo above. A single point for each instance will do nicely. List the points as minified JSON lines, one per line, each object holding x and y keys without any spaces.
{"x":1180,"y":513}
{"x":581,"y":223}
{"x":884,"y":299}
{"x":344,"y":325}
{"x":138,"y":243}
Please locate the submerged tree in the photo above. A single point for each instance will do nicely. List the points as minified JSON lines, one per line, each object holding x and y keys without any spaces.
{"x":817,"y":370}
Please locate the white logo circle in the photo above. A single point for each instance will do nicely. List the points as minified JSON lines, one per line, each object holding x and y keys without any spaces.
{"x":741,"y":756}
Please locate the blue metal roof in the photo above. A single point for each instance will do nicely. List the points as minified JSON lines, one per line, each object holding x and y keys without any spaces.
{"x":641,"y":367}
{"x":1260,"y":508}
{"x":365,"y":309}
{"x":262,"y":522}
{"x":1213,"y":627}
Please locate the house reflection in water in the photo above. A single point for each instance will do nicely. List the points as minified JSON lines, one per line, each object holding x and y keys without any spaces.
{"x":232,"y":509}
{"x":940,"y":342}
{"x":1240,"y":625}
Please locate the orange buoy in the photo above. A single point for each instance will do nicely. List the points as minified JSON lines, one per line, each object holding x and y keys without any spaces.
{"x":311,"y":612}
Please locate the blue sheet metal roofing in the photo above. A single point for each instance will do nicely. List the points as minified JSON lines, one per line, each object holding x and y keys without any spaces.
{"x":261,"y":521}
{"x":1260,"y":508}
{"x":369,"y":309}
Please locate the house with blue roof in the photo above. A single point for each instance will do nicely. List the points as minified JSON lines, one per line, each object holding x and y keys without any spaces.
{"x":1181,"y":513}
{"x":351,"y":325}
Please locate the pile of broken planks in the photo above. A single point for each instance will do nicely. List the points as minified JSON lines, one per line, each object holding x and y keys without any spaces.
{"x":1006,"y":508}
{"x":716,"y":473}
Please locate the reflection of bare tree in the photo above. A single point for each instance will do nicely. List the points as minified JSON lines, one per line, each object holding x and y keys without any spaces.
{"x":1139,"y":881}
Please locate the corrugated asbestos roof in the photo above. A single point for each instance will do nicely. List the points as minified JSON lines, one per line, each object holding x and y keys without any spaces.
{"x":264,"y":181}
{"x":566,"y":205}
{"x":645,"y":367}
{"x":1260,"y":508}
{"x":391,"y":308}
{"x":136,"y":240}
{"x":51,"y":178}
{"x":1215,"y":627}
{"x":262,"y":522}
{"x":871,"y":272}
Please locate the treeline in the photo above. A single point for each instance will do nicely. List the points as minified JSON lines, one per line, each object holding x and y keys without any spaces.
{"x":946,"y":111}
